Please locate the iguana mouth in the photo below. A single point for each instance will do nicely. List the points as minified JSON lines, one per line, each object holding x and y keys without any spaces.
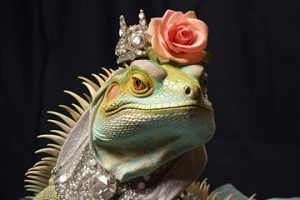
{"x":157,"y":108}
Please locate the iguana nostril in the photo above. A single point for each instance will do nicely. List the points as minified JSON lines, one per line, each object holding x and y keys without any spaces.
{"x":193,"y":92}
{"x":187,"y":90}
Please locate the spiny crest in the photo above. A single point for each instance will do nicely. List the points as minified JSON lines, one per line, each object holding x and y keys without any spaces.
{"x":201,"y":191}
{"x":39,"y":176}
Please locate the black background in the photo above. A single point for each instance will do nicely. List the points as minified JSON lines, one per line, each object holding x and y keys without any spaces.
{"x":253,"y":81}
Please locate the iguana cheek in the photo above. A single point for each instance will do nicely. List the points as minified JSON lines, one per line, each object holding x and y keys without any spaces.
{"x":112,"y":93}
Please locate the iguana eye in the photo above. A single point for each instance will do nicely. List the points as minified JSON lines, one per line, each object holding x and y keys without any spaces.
{"x":139,"y":84}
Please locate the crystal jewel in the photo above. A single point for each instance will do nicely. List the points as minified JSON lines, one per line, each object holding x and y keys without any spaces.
{"x":121,"y":34}
{"x":134,"y":40}
{"x":92,"y":163}
{"x":141,"y":15}
{"x":62,"y":178}
{"x":104,"y":187}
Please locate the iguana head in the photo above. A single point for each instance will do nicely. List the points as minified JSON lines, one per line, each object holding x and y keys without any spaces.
{"x":151,"y":114}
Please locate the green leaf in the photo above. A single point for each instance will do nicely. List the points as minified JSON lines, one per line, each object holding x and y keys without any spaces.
{"x":208,"y":57}
{"x":152,"y":56}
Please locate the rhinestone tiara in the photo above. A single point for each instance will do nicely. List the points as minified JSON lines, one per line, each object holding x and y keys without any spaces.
{"x":134,"y":40}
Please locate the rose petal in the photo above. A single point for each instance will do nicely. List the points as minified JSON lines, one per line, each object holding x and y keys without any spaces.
{"x":199,"y":25}
{"x":176,"y":19}
{"x":198,"y":45}
{"x":154,"y":24}
{"x":158,"y":44}
{"x":183,"y":36}
{"x":168,"y":36}
{"x":166,"y":17}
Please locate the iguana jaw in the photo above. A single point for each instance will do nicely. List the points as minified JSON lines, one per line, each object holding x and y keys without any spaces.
{"x":143,"y":140}
{"x":157,"y":108}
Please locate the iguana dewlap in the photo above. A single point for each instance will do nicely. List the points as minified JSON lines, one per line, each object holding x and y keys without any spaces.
{"x":142,"y":118}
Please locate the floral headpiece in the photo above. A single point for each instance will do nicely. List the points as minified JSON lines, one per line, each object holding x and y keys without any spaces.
{"x":175,"y":38}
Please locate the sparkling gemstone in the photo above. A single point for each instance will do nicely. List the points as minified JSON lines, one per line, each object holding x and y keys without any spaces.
{"x":136,"y":40}
{"x":139,"y":53}
{"x":121,"y":33}
{"x":67,"y":195}
{"x":104,"y":187}
{"x":141,"y":15}
{"x":63,"y":178}
{"x":92,"y":163}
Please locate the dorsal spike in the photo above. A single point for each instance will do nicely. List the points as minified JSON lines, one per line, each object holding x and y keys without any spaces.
{"x":29,"y":197}
{"x":37,"y":173}
{"x":43,"y":162}
{"x":66,"y":119}
{"x":80,"y":110}
{"x":61,"y":125}
{"x":88,"y":97}
{"x":91,"y":83}
{"x":42,"y":168}
{"x":72,"y":112}
{"x":34,"y":190}
{"x":83,"y":103}
{"x":34,"y":187}
{"x":106,"y":71}
{"x":50,"y":159}
{"x":38,"y":178}
{"x":214,"y":196}
{"x":61,"y":133}
{"x":36,"y":182}
{"x":104,"y":77}
{"x":90,"y":89}
{"x":48,"y":150}
{"x":111,"y":70}
{"x":54,"y":146}
{"x":99,"y":79}
{"x":229,"y":197}
{"x":58,"y":139}
{"x":252,"y":197}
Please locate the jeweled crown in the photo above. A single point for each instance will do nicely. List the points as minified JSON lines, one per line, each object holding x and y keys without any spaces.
{"x":134,"y":40}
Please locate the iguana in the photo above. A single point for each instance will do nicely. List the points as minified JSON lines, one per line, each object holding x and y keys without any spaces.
{"x":140,"y":134}
{"x":144,"y":116}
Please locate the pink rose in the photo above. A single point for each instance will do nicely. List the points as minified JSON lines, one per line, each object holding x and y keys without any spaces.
{"x":179,"y":37}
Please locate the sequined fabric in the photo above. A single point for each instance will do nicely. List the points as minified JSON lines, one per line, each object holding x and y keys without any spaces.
{"x":90,"y":181}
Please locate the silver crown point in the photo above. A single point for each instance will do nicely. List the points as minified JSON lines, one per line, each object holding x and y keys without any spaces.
{"x":123,"y":26}
{"x":143,"y":21}
{"x":134,"y":40}
{"x":142,"y":15}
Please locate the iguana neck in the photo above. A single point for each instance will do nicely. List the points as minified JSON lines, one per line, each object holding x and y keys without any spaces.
{"x":130,"y":157}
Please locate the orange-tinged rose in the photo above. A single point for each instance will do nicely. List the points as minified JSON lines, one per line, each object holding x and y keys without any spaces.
{"x":179,"y":37}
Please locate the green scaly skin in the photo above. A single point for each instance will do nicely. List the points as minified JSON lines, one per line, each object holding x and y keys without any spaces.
{"x":136,"y":131}
{"x":150,"y":114}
